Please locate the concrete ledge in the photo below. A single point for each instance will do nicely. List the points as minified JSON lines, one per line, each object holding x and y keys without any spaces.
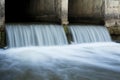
{"x":112,"y":22}
{"x":114,"y":30}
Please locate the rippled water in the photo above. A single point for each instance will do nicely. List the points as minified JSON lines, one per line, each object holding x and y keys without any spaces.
{"x":94,"y":61}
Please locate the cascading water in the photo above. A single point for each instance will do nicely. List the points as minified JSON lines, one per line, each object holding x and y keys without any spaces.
{"x":20,"y":35}
{"x":89,"y":33}
{"x":94,"y":61}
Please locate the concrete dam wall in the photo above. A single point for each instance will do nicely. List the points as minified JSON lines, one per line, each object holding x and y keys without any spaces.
{"x":50,"y":10}
{"x":103,"y":12}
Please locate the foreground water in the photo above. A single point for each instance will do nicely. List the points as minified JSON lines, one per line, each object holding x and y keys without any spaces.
{"x":94,"y":61}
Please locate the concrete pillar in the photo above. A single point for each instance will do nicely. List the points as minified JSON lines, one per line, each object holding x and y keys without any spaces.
{"x":112,"y":18}
{"x":64,"y":12}
{"x":2,"y":22}
{"x":112,"y":12}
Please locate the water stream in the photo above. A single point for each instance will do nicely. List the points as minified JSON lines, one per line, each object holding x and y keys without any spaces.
{"x":89,"y":33}
{"x":20,"y":35}
{"x":96,"y":58}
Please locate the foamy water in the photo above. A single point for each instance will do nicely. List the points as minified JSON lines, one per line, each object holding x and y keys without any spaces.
{"x":94,"y":61}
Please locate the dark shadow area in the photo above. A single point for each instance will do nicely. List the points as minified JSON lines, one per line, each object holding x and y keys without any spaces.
{"x":86,"y":20}
{"x":16,"y":10}
{"x":83,"y":12}
{"x":30,"y":11}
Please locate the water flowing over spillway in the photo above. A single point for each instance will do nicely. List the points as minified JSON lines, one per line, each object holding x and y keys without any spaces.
{"x":89,"y":33}
{"x":90,"y":61}
{"x":20,"y":35}
{"x":94,"y":61}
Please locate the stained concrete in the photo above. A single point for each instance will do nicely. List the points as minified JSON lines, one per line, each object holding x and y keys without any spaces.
{"x":84,"y":9}
{"x":2,"y":20}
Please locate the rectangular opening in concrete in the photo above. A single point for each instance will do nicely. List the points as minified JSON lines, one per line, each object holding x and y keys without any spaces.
{"x":86,"y":11}
{"x":30,"y":10}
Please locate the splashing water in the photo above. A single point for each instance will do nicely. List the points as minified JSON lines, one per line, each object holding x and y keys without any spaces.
{"x":94,"y":61}
{"x":20,"y":35}
{"x":89,"y":33}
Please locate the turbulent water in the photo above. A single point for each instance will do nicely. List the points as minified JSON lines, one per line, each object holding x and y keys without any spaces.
{"x":90,"y":61}
{"x":89,"y":33}
{"x":94,"y":61}
{"x":20,"y":35}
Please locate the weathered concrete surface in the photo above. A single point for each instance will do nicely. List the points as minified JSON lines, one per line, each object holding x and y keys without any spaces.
{"x":112,"y":18}
{"x":112,"y":9}
{"x":50,"y":9}
{"x":86,"y":9}
{"x":43,"y":10}
{"x":64,"y":12}
{"x":112,"y":13}
{"x":115,"y":32}
{"x":2,"y":20}
{"x":112,"y":22}
{"x":1,"y":12}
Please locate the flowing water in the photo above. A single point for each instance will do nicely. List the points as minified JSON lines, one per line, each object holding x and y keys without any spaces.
{"x":89,"y":33}
{"x":20,"y":35}
{"x":90,"y":61}
{"x":94,"y":61}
